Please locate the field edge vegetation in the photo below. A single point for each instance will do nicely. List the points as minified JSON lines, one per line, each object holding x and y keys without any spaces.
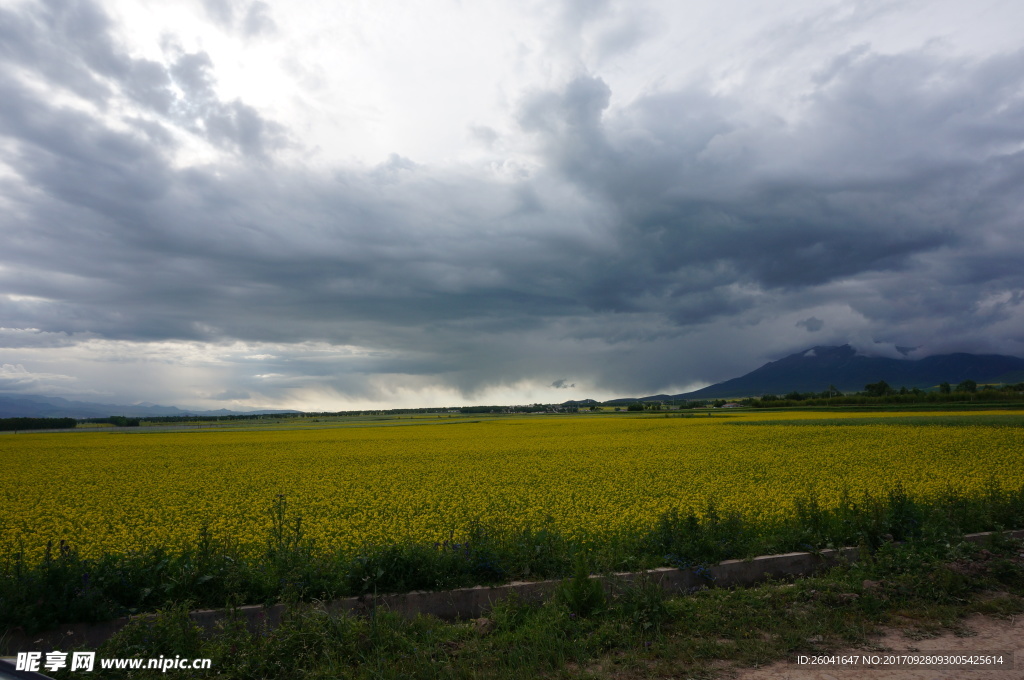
{"x":66,"y":587}
{"x":924,"y":586}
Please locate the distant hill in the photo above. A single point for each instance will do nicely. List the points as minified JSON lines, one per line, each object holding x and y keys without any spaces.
{"x":1009,"y":378}
{"x":813,"y":370}
{"x":34,"y":406}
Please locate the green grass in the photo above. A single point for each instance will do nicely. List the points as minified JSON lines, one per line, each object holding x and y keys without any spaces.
{"x":986,"y":420}
{"x":635,"y":631}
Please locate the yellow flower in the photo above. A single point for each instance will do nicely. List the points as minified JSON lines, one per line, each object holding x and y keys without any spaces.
{"x":427,"y":483}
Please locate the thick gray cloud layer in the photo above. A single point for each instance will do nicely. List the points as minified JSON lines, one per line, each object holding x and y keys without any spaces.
{"x":674,"y":238}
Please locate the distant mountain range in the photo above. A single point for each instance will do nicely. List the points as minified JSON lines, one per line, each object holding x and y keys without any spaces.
{"x":813,"y":370}
{"x":33,"y":406}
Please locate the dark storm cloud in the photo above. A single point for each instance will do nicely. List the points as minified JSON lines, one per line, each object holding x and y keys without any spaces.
{"x":684,"y":206}
{"x":41,"y":38}
{"x":682,"y":218}
{"x":900,"y":164}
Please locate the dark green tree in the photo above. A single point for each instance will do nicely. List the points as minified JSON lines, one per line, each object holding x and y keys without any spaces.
{"x":967,"y":386}
{"x":123,"y":421}
{"x":878,"y":389}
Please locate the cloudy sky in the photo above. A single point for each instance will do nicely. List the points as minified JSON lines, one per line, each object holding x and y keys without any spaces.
{"x":332,"y":205}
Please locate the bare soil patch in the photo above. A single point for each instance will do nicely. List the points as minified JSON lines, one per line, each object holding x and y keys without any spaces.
{"x":979,"y":634}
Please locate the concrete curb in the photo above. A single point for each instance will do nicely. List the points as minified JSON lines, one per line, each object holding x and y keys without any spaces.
{"x":468,"y":603}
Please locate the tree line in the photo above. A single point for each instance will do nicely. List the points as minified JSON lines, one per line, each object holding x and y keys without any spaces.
{"x":15,"y":424}
{"x":882,"y":392}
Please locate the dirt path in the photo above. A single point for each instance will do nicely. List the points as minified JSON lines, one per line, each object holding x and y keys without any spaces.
{"x":1006,"y":635}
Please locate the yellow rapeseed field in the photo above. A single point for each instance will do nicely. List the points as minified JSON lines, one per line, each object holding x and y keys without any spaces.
{"x":119,"y":491}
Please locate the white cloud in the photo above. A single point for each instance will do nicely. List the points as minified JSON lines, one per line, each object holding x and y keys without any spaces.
{"x":16,"y":378}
